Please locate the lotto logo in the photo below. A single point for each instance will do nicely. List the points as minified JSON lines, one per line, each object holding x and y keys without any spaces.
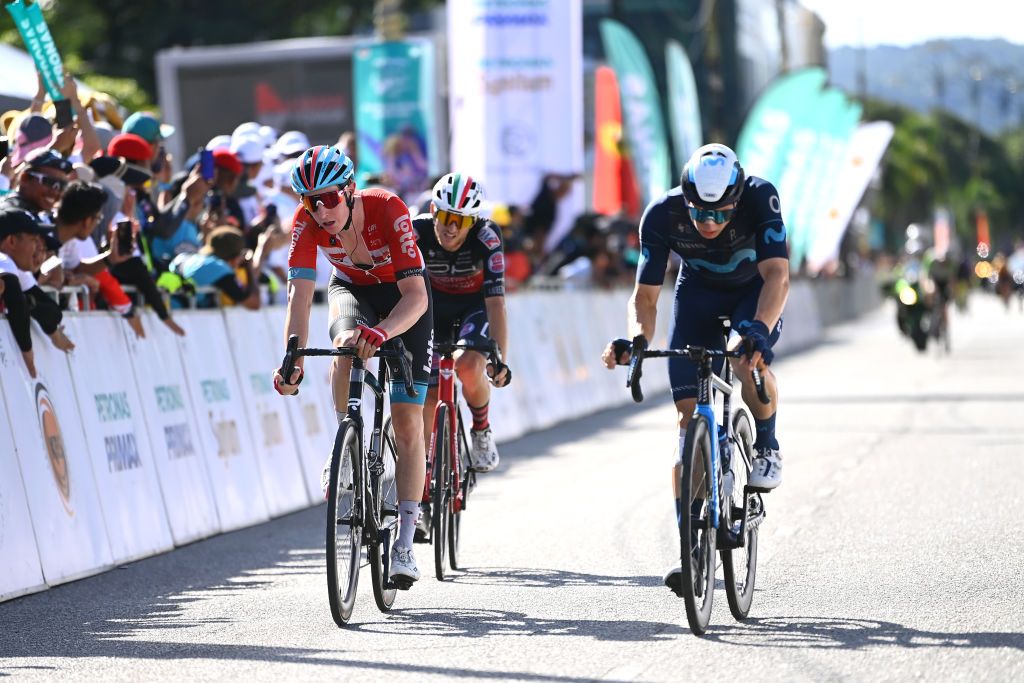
{"x":489,"y":238}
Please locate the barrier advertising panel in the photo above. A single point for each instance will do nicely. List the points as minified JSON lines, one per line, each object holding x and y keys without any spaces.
{"x":255,"y":356}
{"x":174,"y":436}
{"x":221,"y":420}
{"x":50,"y":444}
{"x":20,"y":571}
{"x":118,"y":439}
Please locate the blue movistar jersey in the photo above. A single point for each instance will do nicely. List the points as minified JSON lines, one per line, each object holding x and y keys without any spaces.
{"x":729,"y":261}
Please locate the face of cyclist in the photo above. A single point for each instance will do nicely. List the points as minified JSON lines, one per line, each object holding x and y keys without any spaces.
{"x":329,"y":208}
{"x":451,"y":228}
{"x":711,"y":223}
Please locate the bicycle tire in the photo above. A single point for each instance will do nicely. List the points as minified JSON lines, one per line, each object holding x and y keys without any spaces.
{"x":741,"y":593}
{"x":455,"y":521}
{"x":388,"y":500}
{"x":698,"y":559}
{"x":439,"y":497}
{"x":344,"y":541}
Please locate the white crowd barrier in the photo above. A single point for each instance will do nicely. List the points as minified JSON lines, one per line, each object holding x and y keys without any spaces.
{"x":127,"y":447}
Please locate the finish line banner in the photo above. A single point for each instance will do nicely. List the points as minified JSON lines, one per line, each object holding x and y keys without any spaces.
{"x":515,"y":80}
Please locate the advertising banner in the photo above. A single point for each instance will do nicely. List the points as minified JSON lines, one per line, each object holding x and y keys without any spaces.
{"x":174,"y":435}
{"x":20,"y":571}
{"x":118,"y":439}
{"x":50,"y":444}
{"x":515,"y":80}
{"x":255,"y":356}
{"x":395,"y":90}
{"x":311,"y":411}
{"x":683,"y":106}
{"x":39,"y":43}
{"x":863,"y":155}
{"x":641,"y":109}
{"x":223,"y":426}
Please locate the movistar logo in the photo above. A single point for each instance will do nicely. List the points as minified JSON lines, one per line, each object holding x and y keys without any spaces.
{"x":778,"y":235}
{"x":734,"y":263}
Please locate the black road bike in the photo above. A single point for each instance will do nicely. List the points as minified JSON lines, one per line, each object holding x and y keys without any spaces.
{"x":362,"y":498}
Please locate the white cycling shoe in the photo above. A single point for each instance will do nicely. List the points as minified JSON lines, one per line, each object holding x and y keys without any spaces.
{"x":345,"y":474}
{"x":766,"y":470}
{"x":403,"y":565}
{"x":484,"y":451}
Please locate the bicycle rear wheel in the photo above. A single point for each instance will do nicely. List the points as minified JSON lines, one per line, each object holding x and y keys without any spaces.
{"x":439,"y":491}
{"x":386,"y":512}
{"x":455,"y":522}
{"x":344,"y":522}
{"x":740,"y":564}
{"x":696,"y":531}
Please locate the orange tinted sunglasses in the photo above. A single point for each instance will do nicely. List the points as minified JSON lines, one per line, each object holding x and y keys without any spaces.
{"x":329,"y":199}
{"x":461,"y":221}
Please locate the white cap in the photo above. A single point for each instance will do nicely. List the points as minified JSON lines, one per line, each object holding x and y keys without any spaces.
{"x":247,"y":129}
{"x":219,"y":142}
{"x":283,"y":173}
{"x":292,"y":142}
{"x":248,"y":149}
{"x":268,"y":134}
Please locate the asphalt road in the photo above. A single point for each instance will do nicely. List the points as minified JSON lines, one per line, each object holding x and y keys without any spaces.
{"x":892,"y":552}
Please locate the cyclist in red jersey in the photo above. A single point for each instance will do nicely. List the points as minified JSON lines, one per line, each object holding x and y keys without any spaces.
{"x":377,"y":291}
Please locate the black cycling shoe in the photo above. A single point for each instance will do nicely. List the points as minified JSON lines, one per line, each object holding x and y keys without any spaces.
{"x":422,"y":533}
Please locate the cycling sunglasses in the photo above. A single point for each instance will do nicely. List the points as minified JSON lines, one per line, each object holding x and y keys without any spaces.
{"x":714,"y":215}
{"x":329,"y":199}
{"x":448,"y":217}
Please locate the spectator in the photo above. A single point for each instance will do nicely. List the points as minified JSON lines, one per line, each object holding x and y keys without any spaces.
{"x":81,"y":209}
{"x":216,"y":263}
{"x":40,"y":180}
{"x":221,"y":206}
{"x":20,"y":242}
{"x":544,"y":209}
{"x":29,"y":133}
{"x":249,"y":151}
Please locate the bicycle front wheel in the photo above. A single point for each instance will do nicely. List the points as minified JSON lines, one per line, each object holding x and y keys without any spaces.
{"x":344,"y":522}
{"x":697,"y":531}
{"x":385,"y":489}
{"x":439,"y":491}
{"x":740,"y":564}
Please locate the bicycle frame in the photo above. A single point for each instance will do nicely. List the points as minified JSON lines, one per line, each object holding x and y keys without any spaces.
{"x":706,"y":381}
{"x":446,"y":396}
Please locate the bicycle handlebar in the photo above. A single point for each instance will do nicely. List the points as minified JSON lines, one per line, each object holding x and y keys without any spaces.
{"x":398,"y":351}
{"x":488,"y":348}
{"x":698,"y":354}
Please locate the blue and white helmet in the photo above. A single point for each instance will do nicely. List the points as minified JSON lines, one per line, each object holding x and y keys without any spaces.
{"x":713,"y":177}
{"x":320,"y":168}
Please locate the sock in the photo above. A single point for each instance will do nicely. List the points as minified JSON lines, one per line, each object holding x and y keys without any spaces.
{"x":480,"y":421}
{"x":765,"y":433}
{"x":408,"y":513}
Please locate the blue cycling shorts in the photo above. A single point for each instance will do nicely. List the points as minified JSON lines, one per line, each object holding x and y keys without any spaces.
{"x":695,"y":314}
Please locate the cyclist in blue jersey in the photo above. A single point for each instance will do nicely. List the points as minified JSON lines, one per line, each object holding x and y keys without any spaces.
{"x":728,"y":230}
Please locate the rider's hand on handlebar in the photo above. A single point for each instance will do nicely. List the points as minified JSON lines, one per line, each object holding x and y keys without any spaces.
{"x":618,"y":352}
{"x":759,"y":349}
{"x":287,"y":388}
{"x":499,"y":377}
{"x":365,"y":340}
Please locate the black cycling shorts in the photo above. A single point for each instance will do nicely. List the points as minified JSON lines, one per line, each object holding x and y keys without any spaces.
{"x":471,"y":314}
{"x":368,"y":305}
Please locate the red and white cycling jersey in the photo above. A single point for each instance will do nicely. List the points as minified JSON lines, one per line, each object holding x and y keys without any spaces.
{"x":387,"y":232}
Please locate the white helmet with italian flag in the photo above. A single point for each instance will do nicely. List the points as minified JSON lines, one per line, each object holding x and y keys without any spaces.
{"x":458,"y":193}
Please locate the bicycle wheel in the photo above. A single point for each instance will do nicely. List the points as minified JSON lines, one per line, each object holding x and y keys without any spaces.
{"x":385,"y":488}
{"x":439,"y":497}
{"x":740,"y":564}
{"x":455,"y":522}
{"x":696,"y":532}
{"x":344,"y":522}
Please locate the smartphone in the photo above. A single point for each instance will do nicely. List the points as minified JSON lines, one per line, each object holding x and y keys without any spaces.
{"x":125,"y":241}
{"x":63,"y":116}
{"x":206,"y":164}
{"x":158,"y":164}
{"x":5,"y":147}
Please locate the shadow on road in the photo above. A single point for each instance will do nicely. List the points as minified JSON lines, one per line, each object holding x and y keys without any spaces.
{"x":853,"y":634}
{"x":478,"y":623}
{"x":510,"y":577}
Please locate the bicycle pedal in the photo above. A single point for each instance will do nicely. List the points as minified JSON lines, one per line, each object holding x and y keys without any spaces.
{"x":402,"y":583}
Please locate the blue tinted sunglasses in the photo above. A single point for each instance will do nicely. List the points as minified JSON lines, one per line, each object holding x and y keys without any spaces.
{"x":713,"y":215}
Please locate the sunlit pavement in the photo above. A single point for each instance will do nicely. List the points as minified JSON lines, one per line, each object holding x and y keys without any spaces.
{"x":892,"y":551}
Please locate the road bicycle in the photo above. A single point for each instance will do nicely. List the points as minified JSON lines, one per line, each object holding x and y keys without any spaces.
{"x":451,"y":475}
{"x":362,"y":497}
{"x":719,"y":509}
